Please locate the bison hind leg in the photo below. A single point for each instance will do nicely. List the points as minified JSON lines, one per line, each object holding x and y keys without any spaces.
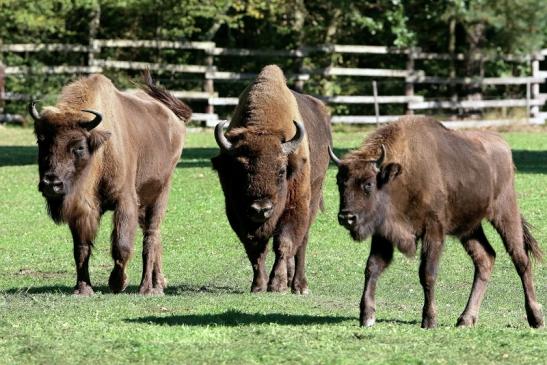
{"x":483,"y":255}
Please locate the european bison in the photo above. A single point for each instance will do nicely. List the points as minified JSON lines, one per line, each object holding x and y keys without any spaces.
{"x":271,"y":166}
{"x":120,"y":160}
{"x":417,"y":180}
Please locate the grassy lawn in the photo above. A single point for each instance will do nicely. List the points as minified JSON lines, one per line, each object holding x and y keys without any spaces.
{"x":207,"y":314}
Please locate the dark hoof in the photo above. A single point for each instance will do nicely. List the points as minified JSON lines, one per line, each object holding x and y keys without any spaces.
{"x":258,"y":288}
{"x":277,"y":286}
{"x":466,"y":321}
{"x":117,"y":281}
{"x":299,"y":288}
{"x":147,"y":290}
{"x":535,"y":317}
{"x":83,"y":289}
{"x":429,"y":323}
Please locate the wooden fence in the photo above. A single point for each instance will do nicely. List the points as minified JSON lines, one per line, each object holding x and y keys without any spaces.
{"x":208,"y":74}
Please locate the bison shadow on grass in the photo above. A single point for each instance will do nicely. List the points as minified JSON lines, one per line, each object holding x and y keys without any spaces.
{"x":526,"y":161}
{"x":131,"y":289}
{"x":232,"y":318}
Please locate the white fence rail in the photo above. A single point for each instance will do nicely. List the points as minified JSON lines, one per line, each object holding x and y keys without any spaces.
{"x":208,"y":73}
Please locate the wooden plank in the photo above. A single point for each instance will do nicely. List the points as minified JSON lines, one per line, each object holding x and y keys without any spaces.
{"x":223,"y":101}
{"x":363,"y":119}
{"x":184,"y":94}
{"x":479,"y":81}
{"x":369,"y":72}
{"x":17,"y":70}
{"x":225,"y":75}
{"x":204,"y":116}
{"x":130,"y":65}
{"x":50,"y":47}
{"x":485,"y":123}
{"x":128,"y":43}
{"x":200,"y":95}
{"x":353,"y":48}
{"x":473,"y":104}
{"x":14,"y":96}
{"x":257,"y":52}
{"x":359,"y":99}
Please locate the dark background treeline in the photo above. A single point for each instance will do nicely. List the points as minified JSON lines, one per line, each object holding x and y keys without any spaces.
{"x":478,"y":29}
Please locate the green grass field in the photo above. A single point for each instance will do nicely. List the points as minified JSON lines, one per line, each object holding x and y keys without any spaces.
{"x":207,"y":314}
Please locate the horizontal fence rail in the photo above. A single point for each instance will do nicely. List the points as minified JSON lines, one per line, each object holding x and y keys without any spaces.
{"x":209,"y":74}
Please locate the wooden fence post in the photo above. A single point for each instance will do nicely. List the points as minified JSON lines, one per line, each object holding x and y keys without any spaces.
{"x":534,"y":92}
{"x":2,"y":86}
{"x":410,"y":78}
{"x":376,"y":107}
{"x":93,"y":29}
{"x":208,"y":85}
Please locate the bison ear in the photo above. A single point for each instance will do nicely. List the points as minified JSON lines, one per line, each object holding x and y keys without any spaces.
{"x":388,"y":173}
{"x":96,"y":139}
{"x":217,"y":162}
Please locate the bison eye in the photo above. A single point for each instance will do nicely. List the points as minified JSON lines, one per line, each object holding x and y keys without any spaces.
{"x":368,"y":186}
{"x":79,"y":150}
{"x":282,"y":172}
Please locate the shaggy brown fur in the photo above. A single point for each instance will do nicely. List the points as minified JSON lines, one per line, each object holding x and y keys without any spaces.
{"x":435,"y":182}
{"x":257,"y":171}
{"x":124,"y":164}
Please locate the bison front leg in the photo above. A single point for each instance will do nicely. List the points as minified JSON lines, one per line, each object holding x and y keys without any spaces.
{"x":83,"y":234}
{"x":278,"y":277}
{"x":381,"y":254}
{"x":431,"y":252}
{"x":256,"y":252}
{"x":299,"y":284}
{"x":123,"y":240}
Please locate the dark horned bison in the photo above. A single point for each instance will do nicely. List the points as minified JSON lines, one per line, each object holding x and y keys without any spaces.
{"x":122,"y":159}
{"x":271,"y":166}
{"x":417,"y":180}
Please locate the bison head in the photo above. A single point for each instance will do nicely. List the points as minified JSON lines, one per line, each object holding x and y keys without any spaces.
{"x":66,"y":143}
{"x":254,"y":169}
{"x":363,"y":186}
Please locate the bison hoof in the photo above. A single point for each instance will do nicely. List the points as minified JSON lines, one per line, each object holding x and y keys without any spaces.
{"x":535,"y":316}
{"x":277,"y":287}
{"x":301,"y":290}
{"x":117,"y":281}
{"x":258,"y":288}
{"x":429,"y":323}
{"x":83,"y":289}
{"x":466,"y":321}
{"x":369,"y":322}
{"x":150,"y":290}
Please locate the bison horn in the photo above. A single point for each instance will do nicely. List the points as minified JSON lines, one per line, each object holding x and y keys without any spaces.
{"x":221,"y":139}
{"x":382,"y":157}
{"x":32,"y":110}
{"x":291,"y":146}
{"x":333,"y":157}
{"x":92,"y":123}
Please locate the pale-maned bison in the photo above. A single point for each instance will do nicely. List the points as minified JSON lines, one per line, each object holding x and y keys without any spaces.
{"x":417,"y":180}
{"x":271,"y":166}
{"x":122,"y":160}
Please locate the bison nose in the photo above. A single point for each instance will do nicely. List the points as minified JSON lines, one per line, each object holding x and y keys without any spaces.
{"x":261,"y":210}
{"x":347,"y":219}
{"x":52,"y":185}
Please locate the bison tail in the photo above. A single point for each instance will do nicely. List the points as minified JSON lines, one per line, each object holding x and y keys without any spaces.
{"x":530,"y":243}
{"x":181,"y":110}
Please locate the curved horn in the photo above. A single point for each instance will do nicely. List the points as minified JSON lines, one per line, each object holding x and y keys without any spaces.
{"x":32,"y":111}
{"x":221,"y":139}
{"x":382,"y":157}
{"x":291,"y":146}
{"x":333,"y":157}
{"x":93,"y":123}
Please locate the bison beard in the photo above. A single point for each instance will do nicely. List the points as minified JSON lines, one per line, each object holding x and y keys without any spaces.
{"x":434,"y":182}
